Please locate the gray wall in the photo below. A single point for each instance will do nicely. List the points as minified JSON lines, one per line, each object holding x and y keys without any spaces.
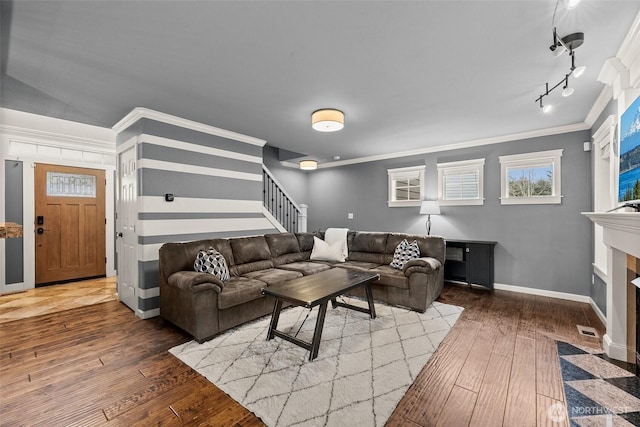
{"x":185,"y":183}
{"x":13,"y":212}
{"x":546,"y":247}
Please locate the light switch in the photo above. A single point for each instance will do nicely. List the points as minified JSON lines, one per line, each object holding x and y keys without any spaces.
{"x":350,"y":215}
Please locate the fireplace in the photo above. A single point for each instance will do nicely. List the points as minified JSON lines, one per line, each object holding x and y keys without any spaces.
{"x":621,"y":234}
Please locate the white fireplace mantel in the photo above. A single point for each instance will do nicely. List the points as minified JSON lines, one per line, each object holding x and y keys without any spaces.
{"x":621,"y":234}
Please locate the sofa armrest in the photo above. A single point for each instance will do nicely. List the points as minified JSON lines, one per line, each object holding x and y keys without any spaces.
{"x":421,"y":265}
{"x":195,"y":281}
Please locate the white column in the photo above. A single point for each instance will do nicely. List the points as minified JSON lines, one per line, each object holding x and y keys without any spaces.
{"x":302,"y":219}
{"x":615,"y":342}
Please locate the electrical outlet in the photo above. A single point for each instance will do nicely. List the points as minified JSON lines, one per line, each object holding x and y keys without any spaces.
{"x":350,"y":215}
{"x":593,"y":280}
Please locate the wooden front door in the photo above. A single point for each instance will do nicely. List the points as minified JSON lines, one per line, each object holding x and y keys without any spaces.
{"x":69,"y":223}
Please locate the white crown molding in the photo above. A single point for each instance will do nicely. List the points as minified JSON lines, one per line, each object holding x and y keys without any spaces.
{"x":455,"y":146}
{"x":629,"y":52}
{"x":606,"y":94}
{"x":145,"y":113}
{"x":18,"y":126}
{"x":52,"y":139}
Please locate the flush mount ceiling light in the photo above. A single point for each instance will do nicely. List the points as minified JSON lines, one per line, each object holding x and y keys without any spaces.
{"x":327,"y":120}
{"x":308,"y":165}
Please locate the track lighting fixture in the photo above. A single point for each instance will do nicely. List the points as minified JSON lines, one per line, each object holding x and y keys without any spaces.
{"x":578,"y":71}
{"x":571,"y":4}
{"x":568,"y":43}
{"x":566,"y":90}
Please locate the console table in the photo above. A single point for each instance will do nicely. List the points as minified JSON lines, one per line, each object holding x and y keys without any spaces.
{"x":470,"y":261}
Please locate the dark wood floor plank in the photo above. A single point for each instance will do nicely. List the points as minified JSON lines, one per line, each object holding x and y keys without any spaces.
{"x":490,"y":405}
{"x":49,"y":375}
{"x":548,"y":380}
{"x":521,"y":397}
{"x":458,"y":408}
{"x":547,"y":417}
{"x":474,"y":368}
{"x":441,"y":372}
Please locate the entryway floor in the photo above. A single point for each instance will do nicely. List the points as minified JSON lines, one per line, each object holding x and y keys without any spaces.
{"x":55,"y":298}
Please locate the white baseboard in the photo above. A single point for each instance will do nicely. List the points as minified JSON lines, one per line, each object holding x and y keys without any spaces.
{"x":543,"y":293}
{"x":11,"y":288}
{"x":554,"y":294}
{"x":600,"y":314}
{"x":618,"y":351}
{"x":276,"y":224}
{"x":148,"y":314}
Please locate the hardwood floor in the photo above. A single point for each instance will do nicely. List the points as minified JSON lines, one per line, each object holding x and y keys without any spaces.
{"x":101,"y":365}
{"x":54,"y":298}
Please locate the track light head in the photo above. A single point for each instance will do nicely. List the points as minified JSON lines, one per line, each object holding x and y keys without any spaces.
{"x":571,"y":4}
{"x":578,"y":71}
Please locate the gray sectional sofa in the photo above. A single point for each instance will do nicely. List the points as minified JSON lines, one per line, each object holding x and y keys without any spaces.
{"x":202,"y":305}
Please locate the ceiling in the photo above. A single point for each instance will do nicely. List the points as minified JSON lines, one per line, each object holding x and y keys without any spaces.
{"x":409,"y":75}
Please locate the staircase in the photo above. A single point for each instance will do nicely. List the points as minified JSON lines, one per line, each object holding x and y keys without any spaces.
{"x":284,"y":212}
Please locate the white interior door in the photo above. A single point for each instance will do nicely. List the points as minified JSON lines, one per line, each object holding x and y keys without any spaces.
{"x":127,"y":238}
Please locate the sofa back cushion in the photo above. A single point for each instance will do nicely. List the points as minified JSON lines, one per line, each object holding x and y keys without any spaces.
{"x":305,"y":242}
{"x":430,"y":246}
{"x":176,"y":257}
{"x":284,"y":247}
{"x":250,"y":254}
{"x":368,"y":247}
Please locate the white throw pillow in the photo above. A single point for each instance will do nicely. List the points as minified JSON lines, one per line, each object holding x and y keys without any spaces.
{"x":325,"y":252}
{"x":333,"y":235}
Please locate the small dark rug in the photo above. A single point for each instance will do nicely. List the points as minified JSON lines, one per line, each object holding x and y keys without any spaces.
{"x":599,"y":391}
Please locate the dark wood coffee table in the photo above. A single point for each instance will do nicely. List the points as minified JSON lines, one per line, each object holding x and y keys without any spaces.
{"x":318,"y":289}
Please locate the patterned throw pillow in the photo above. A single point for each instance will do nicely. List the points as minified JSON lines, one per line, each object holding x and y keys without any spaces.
{"x":404,"y":252}
{"x":212,"y":262}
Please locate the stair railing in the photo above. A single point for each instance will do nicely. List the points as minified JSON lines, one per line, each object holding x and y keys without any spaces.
{"x":280,"y":204}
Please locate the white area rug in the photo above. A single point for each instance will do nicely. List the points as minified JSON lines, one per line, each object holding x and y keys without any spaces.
{"x":364,"y":366}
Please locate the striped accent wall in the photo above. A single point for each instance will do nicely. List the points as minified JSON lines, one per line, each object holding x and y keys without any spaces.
{"x":215,"y":177}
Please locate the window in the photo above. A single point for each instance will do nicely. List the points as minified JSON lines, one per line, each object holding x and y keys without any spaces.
{"x":531,"y":178}
{"x":406,"y":186}
{"x":70,"y":185}
{"x":461,"y":183}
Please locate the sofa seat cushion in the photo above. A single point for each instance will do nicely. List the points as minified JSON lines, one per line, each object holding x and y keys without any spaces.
{"x":358,"y":265}
{"x":271,"y":276}
{"x":239,"y":290}
{"x":368,"y":257}
{"x":306,"y":267}
{"x":290,"y":258}
{"x":390,"y":276}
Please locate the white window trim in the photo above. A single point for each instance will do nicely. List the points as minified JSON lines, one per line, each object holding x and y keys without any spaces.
{"x":532,"y":159}
{"x":403,"y":173}
{"x":473,"y":165}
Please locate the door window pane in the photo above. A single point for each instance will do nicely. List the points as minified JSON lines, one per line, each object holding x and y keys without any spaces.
{"x":70,"y":185}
